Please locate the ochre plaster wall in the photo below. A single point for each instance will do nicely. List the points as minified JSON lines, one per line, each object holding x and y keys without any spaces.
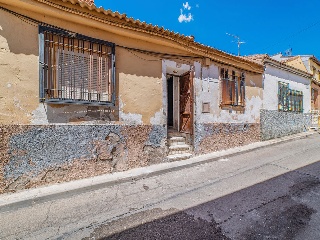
{"x":297,"y":63}
{"x":18,"y":70}
{"x":140,"y":86}
{"x":138,"y":78}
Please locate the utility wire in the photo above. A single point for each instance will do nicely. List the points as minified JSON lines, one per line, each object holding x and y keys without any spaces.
{"x":292,"y":35}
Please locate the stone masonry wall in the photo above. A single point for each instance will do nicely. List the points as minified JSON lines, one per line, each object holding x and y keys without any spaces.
{"x":275,"y":124}
{"x":210,"y":137}
{"x":44,"y":154}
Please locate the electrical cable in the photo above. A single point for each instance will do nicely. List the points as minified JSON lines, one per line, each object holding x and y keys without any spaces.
{"x":292,"y":35}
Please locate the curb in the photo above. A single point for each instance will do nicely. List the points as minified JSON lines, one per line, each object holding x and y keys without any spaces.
{"x":27,"y":198}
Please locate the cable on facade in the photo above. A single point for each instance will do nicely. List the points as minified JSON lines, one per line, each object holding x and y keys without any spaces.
{"x":23,"y":18}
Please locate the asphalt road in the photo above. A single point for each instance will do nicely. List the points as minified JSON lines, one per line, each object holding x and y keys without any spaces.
{"x":268,"y":193}
{"x":285,"y":207}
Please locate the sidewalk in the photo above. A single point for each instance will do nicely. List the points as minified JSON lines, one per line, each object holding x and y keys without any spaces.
{"x":42,"y":194}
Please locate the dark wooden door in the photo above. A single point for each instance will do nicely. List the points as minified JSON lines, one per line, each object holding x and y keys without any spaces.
{"x":170,"y":101}
{"x":186,"y":103}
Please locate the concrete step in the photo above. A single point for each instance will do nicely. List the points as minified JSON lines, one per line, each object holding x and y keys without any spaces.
{"x":179,"y":149}
{"x":177,"y":143}
{"x":179,"y":157}
{"x":177,"y":140}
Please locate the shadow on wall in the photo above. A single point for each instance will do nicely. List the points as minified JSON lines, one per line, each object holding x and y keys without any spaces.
{"x":138,"y":64}
{"x":18,"y":36}
{"x":254,"y":80}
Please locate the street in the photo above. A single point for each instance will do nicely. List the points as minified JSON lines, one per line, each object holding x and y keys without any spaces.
{"x":286,"y":207}
{"x":267,"y":193}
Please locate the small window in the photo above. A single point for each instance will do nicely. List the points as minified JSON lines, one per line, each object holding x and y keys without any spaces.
{"x":233,"y":88}
{"x":75,"y":69}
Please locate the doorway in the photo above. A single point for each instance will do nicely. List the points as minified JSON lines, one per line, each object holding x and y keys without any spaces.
{"x":170,"y":101}
{"x":180,"y":103}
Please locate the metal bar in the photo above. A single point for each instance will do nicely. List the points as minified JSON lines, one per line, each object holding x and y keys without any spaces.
{"x":63,"y":79}
{"x":41,"y":65}
{"x":113,"y":90}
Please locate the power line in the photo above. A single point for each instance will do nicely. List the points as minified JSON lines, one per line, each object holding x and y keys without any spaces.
{"x":292,"y":35}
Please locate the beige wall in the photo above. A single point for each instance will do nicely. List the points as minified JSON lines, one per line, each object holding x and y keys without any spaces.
{"x":18,"y":70}
{"x":316,"y":73}
{"x":297,"y":63}
{"x":138,"y":76}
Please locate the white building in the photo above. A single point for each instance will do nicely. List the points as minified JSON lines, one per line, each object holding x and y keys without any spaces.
{"x":286,"y":98}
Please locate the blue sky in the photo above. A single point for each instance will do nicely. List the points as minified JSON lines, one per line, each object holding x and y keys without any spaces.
{"x":269,"y":26}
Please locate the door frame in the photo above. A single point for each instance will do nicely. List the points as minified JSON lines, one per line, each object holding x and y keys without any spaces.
{"x":170,"y":67}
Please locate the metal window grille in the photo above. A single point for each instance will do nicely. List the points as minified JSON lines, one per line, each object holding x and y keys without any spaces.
{"x":76,"y":69}
{"x":233,"y":89}
{"x":289,"y":100}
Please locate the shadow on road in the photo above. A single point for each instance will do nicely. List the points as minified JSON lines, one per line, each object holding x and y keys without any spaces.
{"x":280,"y":208}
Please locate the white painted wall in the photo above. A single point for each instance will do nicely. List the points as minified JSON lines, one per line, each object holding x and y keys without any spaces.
{"x":271,"y":78}
{"x":207,"y":90}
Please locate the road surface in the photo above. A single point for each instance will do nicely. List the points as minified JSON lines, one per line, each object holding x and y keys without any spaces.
{"x":268,"y":193}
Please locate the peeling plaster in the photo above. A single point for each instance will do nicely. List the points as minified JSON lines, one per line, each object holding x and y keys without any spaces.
{"x":131,"y":118}
{"x":38,"y":154}
{"x":4,"y":46}
{"x":207,"y":90}
{"x":128,"y":118}
{"x":39,"y":115}
{"x":158,"y":119}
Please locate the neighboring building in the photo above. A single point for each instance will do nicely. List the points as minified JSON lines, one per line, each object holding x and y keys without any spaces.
{"x":85,"y":91}
{"x":287,"y":98}
{"x":310,"y":64}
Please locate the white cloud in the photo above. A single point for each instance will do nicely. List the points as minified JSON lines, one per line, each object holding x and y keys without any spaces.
{"x":197,"y":5}
{"x":184,"y":18}
{"x":186,"y":6}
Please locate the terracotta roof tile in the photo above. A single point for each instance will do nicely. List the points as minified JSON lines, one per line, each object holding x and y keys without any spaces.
{"x":129,"y":22}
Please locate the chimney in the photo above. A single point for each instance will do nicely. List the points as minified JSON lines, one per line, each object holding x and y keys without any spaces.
{"x":89,"y":2}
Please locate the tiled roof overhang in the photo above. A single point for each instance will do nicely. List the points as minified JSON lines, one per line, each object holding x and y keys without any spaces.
{"x":115,"y":19}
{"x":267,"y":60}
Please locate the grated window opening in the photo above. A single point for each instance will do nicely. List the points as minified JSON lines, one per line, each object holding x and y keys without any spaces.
{"x":76,"y":69}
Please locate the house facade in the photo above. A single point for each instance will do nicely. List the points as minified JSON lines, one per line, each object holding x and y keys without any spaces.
{"x":87,"y":91}
{"x":287,"y":98}
{"x":310,"y":64}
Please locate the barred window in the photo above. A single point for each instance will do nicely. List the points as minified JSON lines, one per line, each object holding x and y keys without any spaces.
{"x":289,"y":100}
{"x":75,"y":69}
{"x":233,"y":88}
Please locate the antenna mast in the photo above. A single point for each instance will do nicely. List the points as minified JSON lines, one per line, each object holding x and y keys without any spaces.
{"x":238,"y":41}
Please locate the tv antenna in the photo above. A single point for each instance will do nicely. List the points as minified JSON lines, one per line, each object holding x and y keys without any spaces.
{"x":288,"y":52}
{"x":238,"y":41}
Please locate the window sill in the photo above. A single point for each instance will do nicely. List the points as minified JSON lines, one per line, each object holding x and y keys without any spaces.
{"x":75,"y":102}
{"x":232,"y":108}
